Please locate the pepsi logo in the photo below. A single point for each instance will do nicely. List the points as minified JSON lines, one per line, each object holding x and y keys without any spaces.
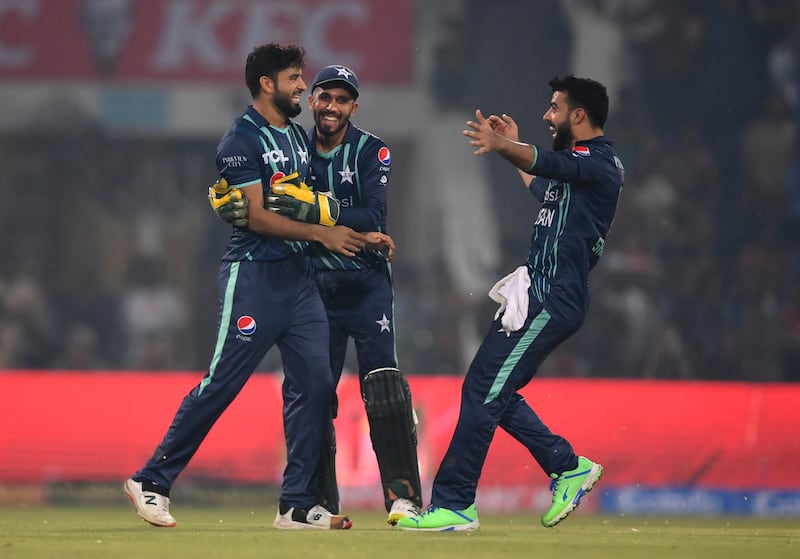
{"x":246,"y":325}
{"x":384,"y":155}
{"x":276,"y":176}
{"x":581,"y":150}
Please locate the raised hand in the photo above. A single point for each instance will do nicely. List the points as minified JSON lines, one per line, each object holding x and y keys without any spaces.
{"x":505,"y":126}
{"x":482,"y":135}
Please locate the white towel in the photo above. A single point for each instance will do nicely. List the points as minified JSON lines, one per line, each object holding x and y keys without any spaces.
{"x":512,"y":294}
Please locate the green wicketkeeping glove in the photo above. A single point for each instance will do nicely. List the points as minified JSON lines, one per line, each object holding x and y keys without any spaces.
{"x":301,"y":203}
{"x":228,"y":203}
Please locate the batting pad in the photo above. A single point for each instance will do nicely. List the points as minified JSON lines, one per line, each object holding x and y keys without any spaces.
{"x":387,"y":400}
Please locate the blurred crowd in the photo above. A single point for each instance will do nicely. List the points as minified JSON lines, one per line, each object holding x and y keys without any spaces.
{"x":111,"y":252}
{"x":702,"y":274}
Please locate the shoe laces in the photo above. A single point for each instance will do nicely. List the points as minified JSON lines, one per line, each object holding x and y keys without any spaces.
{"x":407,"y":504}
{"x":431,"y":509}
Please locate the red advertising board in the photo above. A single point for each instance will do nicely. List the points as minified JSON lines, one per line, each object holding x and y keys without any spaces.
{"x":72,"y":426}
{"x":198,"y":40}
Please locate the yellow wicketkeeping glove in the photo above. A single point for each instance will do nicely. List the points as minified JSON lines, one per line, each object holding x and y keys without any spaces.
{"x":228,"y":203}
{"x":300,"y":203}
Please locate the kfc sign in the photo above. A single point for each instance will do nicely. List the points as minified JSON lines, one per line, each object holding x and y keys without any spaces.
{"x":198,"y":40}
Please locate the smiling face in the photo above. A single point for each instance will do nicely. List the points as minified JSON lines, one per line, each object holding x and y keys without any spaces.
{"x":289,"y":86}
{"x":332,"y":110}
{"x":558,"y":117}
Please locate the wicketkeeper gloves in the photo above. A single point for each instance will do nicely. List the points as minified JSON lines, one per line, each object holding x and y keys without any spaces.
{"x":228,"y":203}
{"x":290,"y":197}
{"x":299,"y":202}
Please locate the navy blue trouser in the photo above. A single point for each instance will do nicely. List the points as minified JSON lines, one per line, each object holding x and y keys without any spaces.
{"x":261,"y":304}
{"x":489,"y":398}
{"x":360,"y":305}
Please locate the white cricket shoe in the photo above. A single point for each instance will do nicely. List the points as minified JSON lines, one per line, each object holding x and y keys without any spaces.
{"x":402,"y":508}
{"x":316,"y":518}
{"x":151,"y":506}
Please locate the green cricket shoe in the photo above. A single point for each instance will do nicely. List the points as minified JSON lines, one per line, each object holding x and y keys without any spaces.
{"x":568,"y":488}
{"x":438,"y":519}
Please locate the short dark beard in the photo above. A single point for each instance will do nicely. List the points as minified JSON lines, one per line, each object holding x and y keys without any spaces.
{"x":326,"y":130}
{"x":564,"y":137}
{"x":285,"y":104}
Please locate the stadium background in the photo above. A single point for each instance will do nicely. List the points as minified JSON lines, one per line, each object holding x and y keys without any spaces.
{"x":689,"y":362}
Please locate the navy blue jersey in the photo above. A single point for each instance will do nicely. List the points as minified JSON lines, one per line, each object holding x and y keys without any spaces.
{"x":579,"y":190}
{"x":356,"y":172}
{"x":252,"y":151}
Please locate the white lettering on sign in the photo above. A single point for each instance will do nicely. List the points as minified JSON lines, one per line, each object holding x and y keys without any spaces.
{"x":185,"y":32}
{"x":318,"y":26}
{"x":190,"y":33}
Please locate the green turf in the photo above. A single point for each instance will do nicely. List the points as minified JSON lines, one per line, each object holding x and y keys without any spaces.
{"x":116,"y":532}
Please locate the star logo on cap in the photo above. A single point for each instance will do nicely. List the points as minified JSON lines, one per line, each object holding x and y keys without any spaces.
{"x":347,"y":175}
{"x":342,"y":71}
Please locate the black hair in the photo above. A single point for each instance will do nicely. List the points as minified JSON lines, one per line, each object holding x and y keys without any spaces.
{"x":586,"y":93}
{"x":268,"y":60}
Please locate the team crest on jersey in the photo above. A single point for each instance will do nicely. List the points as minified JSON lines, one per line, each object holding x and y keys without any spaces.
{"x":246,"y":325}
{"x":581,"y":150}
{"x":384,"y":155}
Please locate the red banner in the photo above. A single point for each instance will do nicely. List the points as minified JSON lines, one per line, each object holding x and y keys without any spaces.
{"x":68,"y":426}
{"x":198,"y":40}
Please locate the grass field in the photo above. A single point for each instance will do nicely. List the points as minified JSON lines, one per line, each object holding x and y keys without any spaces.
{"x":116,"y":532}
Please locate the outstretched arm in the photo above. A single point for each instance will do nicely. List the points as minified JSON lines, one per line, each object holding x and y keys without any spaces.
{"x":486,"y":139}
{"x":507,"y":127}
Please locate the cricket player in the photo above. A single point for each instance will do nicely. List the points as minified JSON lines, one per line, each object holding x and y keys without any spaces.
{"x":353,"y":167}
{"x":542,"y":303}
{"x":268,"y":296}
